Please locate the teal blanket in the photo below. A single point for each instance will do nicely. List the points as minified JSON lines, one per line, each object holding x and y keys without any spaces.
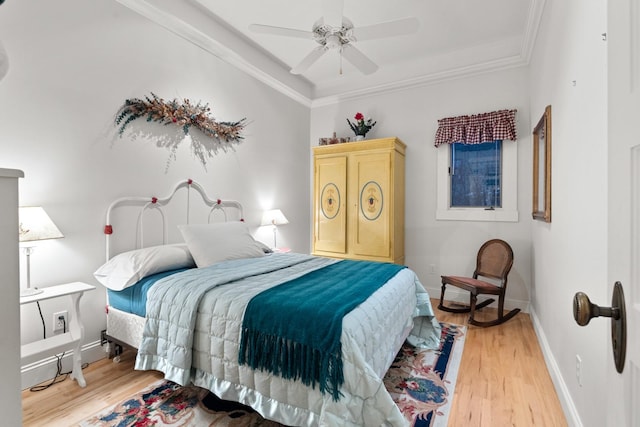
{"x":293,"y":329}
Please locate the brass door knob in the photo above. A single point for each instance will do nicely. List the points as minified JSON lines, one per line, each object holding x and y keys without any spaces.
{"x":584,"y":310}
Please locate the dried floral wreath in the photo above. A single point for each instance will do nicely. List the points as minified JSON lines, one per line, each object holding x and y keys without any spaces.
{"x":185,"y":115}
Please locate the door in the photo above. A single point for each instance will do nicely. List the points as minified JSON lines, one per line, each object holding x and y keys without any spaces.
{"x":623,"y":390}
{"x":369,"y":186}
{"x":330,"y":216}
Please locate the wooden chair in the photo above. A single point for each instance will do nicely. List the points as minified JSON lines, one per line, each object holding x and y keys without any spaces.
{"x":494,"y":261}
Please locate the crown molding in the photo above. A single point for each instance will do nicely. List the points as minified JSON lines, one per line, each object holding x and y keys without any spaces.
{"x":425,"y":80}
{"x":209,"y":44}
{"x":531,"y":29}
{"x":281,"y":84}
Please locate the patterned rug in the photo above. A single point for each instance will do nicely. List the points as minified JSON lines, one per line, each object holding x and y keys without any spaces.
{"x":421,"y":382}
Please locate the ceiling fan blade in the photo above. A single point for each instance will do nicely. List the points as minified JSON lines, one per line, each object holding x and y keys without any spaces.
{"x":387,"y":29}
{"x":332,"y":12}
{"x":358,"y":59}
{"x":280,"y":31}
{"x":308,"y":60}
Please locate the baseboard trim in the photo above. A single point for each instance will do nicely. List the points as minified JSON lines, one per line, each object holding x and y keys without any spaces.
{"x":569,"y":408}
{"x":45,"y":369}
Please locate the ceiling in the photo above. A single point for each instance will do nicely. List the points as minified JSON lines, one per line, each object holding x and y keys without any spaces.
{"x":455,"y":38}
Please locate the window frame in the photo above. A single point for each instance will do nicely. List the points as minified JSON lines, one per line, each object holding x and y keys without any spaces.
{"x":509,"y":210}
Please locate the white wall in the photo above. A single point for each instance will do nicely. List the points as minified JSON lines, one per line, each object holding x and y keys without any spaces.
{"x":570,"y":253}
{"x":412,"y":116}
{"x":72,"y":64}
{"x":70,"y":74}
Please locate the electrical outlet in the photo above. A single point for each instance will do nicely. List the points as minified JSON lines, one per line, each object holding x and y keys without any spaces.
{"x":432,"y":269}
{"x":58,"y":323}
{"x":579,"y":370}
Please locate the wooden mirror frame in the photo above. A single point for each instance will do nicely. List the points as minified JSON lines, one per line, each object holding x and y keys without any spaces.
{"x":542,"y":168}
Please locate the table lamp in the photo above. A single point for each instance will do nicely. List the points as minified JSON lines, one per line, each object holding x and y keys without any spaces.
{"x":274,"y":218}
{"x":35,"y":225}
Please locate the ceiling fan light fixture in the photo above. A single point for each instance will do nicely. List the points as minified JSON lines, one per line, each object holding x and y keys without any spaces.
{"x":333,"y":37}
{"x":333,"y":41}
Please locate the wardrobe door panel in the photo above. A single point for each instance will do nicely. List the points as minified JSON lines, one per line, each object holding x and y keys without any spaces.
{"x":370,"y":178}
{"x":330,"y":214}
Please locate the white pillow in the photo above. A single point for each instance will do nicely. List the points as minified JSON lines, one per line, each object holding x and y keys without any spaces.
{"x":127,"y":268}
{"x":220,"y":241}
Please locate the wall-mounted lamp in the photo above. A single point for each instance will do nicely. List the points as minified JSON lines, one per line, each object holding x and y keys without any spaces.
{"x":35,"y":225}
{"x":274,"y":218}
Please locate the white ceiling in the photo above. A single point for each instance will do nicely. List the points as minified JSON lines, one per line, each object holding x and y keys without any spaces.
{"x":456,"y":38}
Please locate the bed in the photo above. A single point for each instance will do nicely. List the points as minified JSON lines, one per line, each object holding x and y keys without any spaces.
{"x":188,"y":309}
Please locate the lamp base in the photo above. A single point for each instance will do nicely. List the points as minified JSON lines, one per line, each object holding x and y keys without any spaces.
{"x":30,"y":292}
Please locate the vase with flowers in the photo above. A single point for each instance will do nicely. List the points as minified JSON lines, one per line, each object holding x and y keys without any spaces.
{"x":361,"y":126}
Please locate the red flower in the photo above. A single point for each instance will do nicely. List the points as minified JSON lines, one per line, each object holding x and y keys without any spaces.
{"x":361,"y":126}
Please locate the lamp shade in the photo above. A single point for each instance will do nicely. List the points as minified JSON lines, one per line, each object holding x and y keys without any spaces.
{"x":35,"y":224}
{"x":274,"y":217}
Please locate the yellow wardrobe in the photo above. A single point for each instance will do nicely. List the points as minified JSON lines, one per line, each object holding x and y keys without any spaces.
{"x":358,"y":210}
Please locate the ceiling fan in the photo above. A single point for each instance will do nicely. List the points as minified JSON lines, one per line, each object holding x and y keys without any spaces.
{"x":334,"y":31}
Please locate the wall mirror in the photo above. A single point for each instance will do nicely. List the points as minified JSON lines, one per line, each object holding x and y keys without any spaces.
{"x":542,"y":168}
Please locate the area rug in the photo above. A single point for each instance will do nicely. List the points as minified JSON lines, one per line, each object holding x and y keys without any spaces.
{"x":421,"y":383}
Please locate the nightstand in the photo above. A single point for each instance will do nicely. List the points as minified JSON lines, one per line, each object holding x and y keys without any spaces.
{"x":71,"y":340}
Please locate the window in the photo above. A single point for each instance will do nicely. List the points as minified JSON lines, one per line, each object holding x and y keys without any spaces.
{"x":475,"y":175}
{"x":482,"y":184}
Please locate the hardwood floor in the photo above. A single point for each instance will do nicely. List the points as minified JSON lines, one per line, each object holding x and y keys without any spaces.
{"x":503,"y":381}
{"x":66,"y":404}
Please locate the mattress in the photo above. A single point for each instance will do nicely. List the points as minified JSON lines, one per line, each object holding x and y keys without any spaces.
{"x":372,"y":334}
{"x":134,"y":298}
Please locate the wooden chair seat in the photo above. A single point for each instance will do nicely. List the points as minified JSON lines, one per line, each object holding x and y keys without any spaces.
{"x":494,"y":261}
{"x":473,"y":285}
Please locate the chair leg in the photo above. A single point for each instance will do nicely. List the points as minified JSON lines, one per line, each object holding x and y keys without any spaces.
{"x":443,"y":307}
{"x":473,"y":299}
{"x":501,"y":306}
{"x":444,"y":287}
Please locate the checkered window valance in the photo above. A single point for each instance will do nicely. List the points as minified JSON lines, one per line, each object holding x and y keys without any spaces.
{"x":478,"y":128}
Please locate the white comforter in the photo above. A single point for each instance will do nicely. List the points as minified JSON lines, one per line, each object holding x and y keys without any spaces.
{"x":193,"y":328}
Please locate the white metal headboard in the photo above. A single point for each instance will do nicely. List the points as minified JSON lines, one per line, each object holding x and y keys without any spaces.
{"x":158,"y":203}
